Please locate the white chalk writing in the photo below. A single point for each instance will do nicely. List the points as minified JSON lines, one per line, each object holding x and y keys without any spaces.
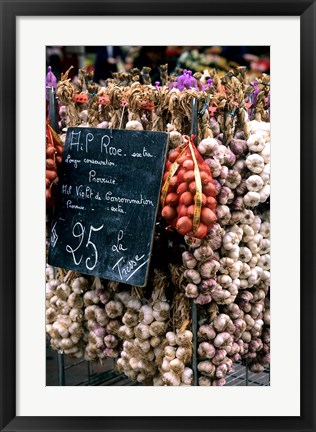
{"x":75,"y":140}
{"x":78,"y":231}
{"x":84,"y":192}
{"x":124,"y":271}
{"x":118,"y":247}
{"x":72,"y":161}
{"x":89,"y":138}
{"x":54,"y":235}
{"x":93,"y":178}
{"x":139,"y":201}
{"x":66,"y":190}
{"x":79,"y":234}
{"x":105,"y":162}
{"x":69,"y":204}
{"x":109,"y":150}
{"x":117,"y":209}
{"x":144,"y":153}
{"x":90,"y":243}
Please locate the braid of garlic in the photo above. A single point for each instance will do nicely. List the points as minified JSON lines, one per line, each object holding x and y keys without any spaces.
{"x":93,"y":106}
{"x":65,"y":94}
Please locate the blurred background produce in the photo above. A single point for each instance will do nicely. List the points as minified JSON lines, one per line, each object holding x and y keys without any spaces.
{"x":107,"y":59}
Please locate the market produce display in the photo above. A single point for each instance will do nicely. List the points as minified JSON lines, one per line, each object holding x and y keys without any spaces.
{"x":212,"y":238}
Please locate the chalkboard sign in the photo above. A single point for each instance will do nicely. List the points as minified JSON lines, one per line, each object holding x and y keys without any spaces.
{"x":105,"y":215}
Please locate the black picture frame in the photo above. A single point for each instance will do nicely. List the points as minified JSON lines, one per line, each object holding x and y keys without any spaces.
{"x":306,"y":10}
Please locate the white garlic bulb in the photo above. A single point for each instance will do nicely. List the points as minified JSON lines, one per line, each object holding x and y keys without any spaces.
{"x":256,"y":143}
{"x":254,"y":183}
{"x":255,"y":163}
{"x":171,"y":379}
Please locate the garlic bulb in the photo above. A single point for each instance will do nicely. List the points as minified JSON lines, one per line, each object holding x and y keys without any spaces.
{"x":134,"y":304}
{"x":265,"y":229}
{"x":130,"y":318}
{"x":188,"y":260}
{"x":79,"y":285}
{"x":184,"y":337}
{"x":177,"y":366}
{"x":161,"y":311}
{"x":230,"y":240}
{"x":187,"y":376}
{"x":207,"y":368}
{"x":142,"y":331}
{"x":134,"y":125}
{"x":90,"y":298}
{"x":63,"y":291}
{"x":251,"y":199}
{"x":255,"y":163}
{"x":114,"y":309}
{"x":206,"y":350}
{"x":146,"y":314}
{"x":206,"y":332}
{"x":254,"y":183}
{"x":171,"y":338}
{"x":126,"y":332}
{"x":191,"y":290}
{"x":171,"y":379}
{"x":157,"y":328}
{"x":256,"y":143}
{"x":203,"y":253}
{"x":208,"y":147}
{"x":192,"y":276}
{"x":204,"y":381}
{"x":170,"y":352}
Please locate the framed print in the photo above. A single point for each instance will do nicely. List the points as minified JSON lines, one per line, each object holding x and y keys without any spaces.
{"x":287,"y":31}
